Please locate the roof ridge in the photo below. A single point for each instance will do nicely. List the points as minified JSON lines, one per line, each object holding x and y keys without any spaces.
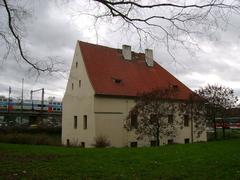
{"x":99,"y":45}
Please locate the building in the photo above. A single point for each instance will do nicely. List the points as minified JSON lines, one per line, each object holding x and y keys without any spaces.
{"x":100,"y":93}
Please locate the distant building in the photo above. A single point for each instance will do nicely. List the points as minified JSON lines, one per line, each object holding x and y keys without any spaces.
{"x":100,"y":92}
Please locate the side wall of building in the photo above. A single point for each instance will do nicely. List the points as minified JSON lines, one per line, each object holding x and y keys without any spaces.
{"x":111,"y":113}
{"x":78,"y":104}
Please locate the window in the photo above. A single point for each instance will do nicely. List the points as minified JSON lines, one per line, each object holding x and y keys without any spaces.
{"x":153,"y":143}
{"x":75,"y":122}
{"x":76,"y":64}
{"x":186,"y":120}
{"x":83,"y":144}
{"x":175,"y":87}
{"x":153,"y":118}
{"x":170,"y":141}
{"x":68,"y":142}
{"x":116,"y":80}
{"x":134,"y":122}
{"x":186,"y":140}
{"x":72,"y":86}
{"x":85,"y":122}
{"x":79,"y":83}
{"x":170,"y":119}
{"x":133,"y":144}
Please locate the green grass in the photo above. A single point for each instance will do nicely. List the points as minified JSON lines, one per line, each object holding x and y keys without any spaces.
{"x":213,"y":160}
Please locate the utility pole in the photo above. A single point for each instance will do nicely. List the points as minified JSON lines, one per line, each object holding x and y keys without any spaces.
{"x":31,"y":96}
{"x":42,"y":99}
{"x":22,"y":102}
{"x":9,"y":93}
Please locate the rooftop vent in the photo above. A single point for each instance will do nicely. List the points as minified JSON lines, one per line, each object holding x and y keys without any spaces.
{"x":127,"y":53}
{"x":149,"y":57}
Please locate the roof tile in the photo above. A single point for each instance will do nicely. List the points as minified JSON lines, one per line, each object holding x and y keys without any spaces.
{"x":105,"y":64}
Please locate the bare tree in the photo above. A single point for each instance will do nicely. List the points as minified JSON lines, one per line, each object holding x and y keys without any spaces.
{"x":219,"y":99}
{"x":11,"y":38}
{"x":195,"y":107}
{"x":172,"y":23}
{"x":153,"y":115}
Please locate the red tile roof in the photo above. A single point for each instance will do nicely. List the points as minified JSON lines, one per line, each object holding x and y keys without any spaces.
{"x":105,"y":65}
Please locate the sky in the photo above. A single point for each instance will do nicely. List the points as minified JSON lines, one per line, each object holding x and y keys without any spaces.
{"x":53,"y":29}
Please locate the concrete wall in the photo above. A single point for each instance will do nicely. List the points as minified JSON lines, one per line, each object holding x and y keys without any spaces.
{"x":78,"y":101}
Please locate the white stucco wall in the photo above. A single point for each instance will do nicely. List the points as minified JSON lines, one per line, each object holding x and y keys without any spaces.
{"x":106,"y":115}
{"x":110,"y":114}
{"x":78,"y":101}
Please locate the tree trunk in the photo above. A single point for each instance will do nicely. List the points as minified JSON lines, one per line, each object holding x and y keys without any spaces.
{"x":223,"y":125}
{"x":191,"y":123}
{"x":214,"y":124}
{"x":223,"y":129}
{"x":158,"y":134}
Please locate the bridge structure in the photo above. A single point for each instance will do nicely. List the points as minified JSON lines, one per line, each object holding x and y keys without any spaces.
{"x":11,"y":118}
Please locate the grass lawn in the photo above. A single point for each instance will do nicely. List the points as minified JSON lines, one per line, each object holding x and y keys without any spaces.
{"x":213,"y":160}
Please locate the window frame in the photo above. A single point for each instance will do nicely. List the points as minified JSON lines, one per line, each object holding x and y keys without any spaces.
{"x":186,"y":120}
{"x":134,"y":120}
{"x":79,"y":83}
{"x":170,"y":118}
{"x":75,"y":122}
{"x":85,"y":123}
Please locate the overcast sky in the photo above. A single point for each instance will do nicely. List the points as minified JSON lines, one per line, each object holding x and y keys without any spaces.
{"x":53,"y":30}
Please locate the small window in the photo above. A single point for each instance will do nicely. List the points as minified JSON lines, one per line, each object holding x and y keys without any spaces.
{"x":72,"y":86}
{"x":170,"y":119}
{"x":75,"y":122}
{"x":186,"y":120}
{"x":153,"y":143}
{"x":186,"y":140}
{"x":79,"y":83}
{"x":76,"y":64}
{"x":175,"y":86}
{"x":68,"y":142}
{"x":170,"y":141}
{"x":153,"y":118}
{"x":116,"y":80}
{"x":85,"y":122}
{"x":134,"y":122}
{"x":133,"y":144}
{"x":83,"y":144}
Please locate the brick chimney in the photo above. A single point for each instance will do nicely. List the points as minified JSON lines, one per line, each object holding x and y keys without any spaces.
{"x":149,"y":57}
{"x":127,"y":53}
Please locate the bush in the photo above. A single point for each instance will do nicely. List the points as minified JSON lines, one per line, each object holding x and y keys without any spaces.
{"x":31,"y":130}
{"x":25,"y":138}
{"x":101,"y":141}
